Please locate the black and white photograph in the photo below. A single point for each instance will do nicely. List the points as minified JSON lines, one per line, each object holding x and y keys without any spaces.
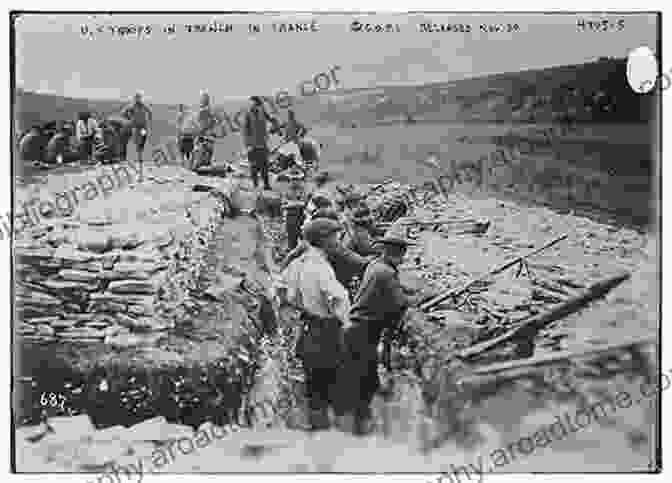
{"x":353,"y":242}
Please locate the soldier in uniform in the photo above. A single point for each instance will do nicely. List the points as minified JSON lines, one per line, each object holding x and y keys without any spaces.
{"x":140,"y":117}
{"x":379,"y":304}
{"x":360,"y":233}
{"x":347,"y":264}
{"x":58,"y":146}
{"x":255,"y":136}
{"x":312,"y":287}
{"x":32,"y":145}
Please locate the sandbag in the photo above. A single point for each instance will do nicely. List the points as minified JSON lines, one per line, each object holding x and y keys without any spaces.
{"x":94,"y":241}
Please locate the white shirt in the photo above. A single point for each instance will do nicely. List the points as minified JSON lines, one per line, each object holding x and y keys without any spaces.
{"x":312,"y":285}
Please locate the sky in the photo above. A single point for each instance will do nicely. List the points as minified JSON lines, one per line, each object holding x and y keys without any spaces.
{"x":53,"y":56}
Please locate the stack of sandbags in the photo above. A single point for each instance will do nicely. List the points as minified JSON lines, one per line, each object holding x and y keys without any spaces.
{"x":88,"y":284}
{"x":122,"y":263}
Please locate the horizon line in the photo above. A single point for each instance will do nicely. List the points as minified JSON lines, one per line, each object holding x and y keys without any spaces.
{"x":348,"y":89}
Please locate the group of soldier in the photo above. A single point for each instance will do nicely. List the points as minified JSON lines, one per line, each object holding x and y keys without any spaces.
{"x":341,"y":273}
{"x":257,"y":127}
{"x":342,"y":277}
{"x":89,"y":138}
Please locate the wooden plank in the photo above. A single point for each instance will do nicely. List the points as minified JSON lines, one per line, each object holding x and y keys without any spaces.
{"x":441,"y":221}
{"x":459,"y":290}
{"x":528,"y":327}
{"x":520,"y":367}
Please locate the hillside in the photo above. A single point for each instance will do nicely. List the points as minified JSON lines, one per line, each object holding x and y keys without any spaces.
{"x":596,"y":91}
{"x":458,"y":122}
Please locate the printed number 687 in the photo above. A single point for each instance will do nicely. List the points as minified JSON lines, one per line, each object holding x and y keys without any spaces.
{"x":52,"y":400}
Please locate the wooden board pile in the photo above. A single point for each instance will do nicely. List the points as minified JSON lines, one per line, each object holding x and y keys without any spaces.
{"x":486,"y":331}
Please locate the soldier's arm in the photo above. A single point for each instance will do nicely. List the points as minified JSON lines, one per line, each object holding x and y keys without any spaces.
{"x":245,"y":131}
{"x":369,"y":289}
{"x":149,"y":113}
{"x":354,"y":262}
{"x":275,"y":124}
{"x":336,"y":296}
{"x":396,"y":295}
{"x":300,"y":129}
{"x":149,"y":118}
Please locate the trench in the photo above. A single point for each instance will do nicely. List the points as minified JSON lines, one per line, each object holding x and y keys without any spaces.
{"x":226,"y":359}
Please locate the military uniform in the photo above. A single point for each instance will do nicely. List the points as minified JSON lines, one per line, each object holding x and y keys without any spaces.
{"x":255,"y":136}
{"x":358,"y":239}
{"x":379,"y":304}
{"x":139,"y":116}
{"x":311,"y":285}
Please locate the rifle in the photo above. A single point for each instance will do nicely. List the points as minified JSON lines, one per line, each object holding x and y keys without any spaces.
{"x":462,"y":289}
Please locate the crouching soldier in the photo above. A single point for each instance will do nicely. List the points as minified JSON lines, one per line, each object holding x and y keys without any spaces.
{"x":312,"y":287}
{"x":58,"y":148}
{"x":86,"y":131}
{"x":108,"y":143}
{"x":32,"y":145}
{"x":379,"y":304}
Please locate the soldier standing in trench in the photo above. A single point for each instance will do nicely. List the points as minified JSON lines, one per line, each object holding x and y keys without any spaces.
{"x":312,"y":287}
{"x":379,"y":304}
{"x":346,"y":263}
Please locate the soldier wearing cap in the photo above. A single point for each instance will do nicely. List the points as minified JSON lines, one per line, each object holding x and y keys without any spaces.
{"x":345,"y":262}
{"x":312,"y":287}
{"x":379,"y":304}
